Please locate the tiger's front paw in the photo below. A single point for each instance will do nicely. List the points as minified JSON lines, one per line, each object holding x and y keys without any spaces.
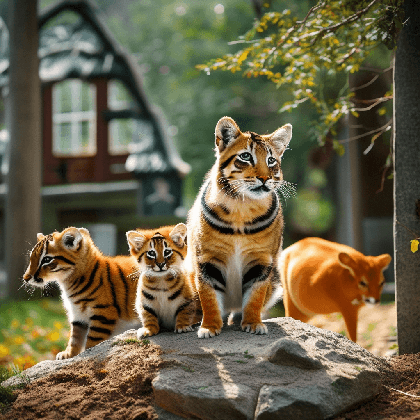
{"x":255,"y":328}
{"x":66,"y":354}
{"x":145,"y":332}
{"x":208,"y":332}
{"x":181,"y":329}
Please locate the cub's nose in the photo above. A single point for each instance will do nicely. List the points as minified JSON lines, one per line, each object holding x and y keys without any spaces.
{"x":27,"y":277}
{"x":161,"y":266}
{"x":371,"y":300}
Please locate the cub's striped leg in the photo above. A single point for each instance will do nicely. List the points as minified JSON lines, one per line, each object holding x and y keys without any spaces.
{"x":212,"y":322}
{"x":185,"y":317}
{"x":101,"y":328}
{"x":77,"y":339}
{"x":150,"y":322}
{"x":255,"y":286}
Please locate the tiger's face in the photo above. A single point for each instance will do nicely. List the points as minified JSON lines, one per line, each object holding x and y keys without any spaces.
{"x":249,"y":163}
{"x":54,"y":257}
{"x":158,"y":250}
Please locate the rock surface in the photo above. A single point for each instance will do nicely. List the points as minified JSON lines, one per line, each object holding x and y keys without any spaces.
{"x":297,"y":371}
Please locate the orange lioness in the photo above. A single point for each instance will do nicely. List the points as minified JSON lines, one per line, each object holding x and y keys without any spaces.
{"x":321,"y":277}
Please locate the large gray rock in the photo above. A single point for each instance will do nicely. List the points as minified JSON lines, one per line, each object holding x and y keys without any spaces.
{"x":297,"y":371}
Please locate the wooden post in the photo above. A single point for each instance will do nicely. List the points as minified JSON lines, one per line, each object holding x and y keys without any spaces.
{"x":23,"y":204}
{"x":407,"y":179}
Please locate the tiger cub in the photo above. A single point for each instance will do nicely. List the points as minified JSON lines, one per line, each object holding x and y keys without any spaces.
{"x":98,"y":291}
{"x":235,"y":228}
{"x":165,"y":294}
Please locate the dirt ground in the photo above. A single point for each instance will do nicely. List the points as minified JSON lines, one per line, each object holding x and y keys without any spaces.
{"x":89,"y":390}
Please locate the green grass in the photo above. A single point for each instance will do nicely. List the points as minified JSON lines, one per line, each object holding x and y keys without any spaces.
{"x":31,"y":331}
{"x":7,"y":395}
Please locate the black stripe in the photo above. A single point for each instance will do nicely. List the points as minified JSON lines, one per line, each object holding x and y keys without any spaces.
{"x":101,"y":306}
{"x":59,"y":257}
{"x":174,"y":250}
{"x":97,"y":287}
{"x":150,"y":310}
{"x":95,"y":338}
{"x":124,"y":282}
{"x":76,"y":283}
{"x":255,"y":274}
{"x":211,"y":274}
{"x":218,"y":288}
{"x":176,"y":294}
{"x":181,"y":307}
{"x":272,"y":212}
{"x":101,"y":330}
{"x":80,"y":324}
{"x":89,"y":283}
{"x":84,"y":300}
{"x":103,"y":320}
{"x":148,"y":296}
{"x":114,"y":295}
{"x":226,"y":162}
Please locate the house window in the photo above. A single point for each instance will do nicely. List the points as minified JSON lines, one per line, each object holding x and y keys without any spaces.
{"x":74,"y":118}
{"x":121,"y":130}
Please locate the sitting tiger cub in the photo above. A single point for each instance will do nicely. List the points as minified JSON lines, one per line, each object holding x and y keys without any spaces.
{"x":235,"y":228}
{"x":165,"y":294}
{"x":98,"y":291}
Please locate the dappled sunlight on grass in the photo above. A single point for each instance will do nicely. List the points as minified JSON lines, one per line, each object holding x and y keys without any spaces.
{"x":31,"y":332}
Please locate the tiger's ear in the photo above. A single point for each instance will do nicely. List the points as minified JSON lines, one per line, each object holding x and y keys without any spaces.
{"x":135,"y":240}
{"x":226,"y":131}
{"x":84,"y":231}
{"x":281,"y":137}
{"x":39,"y":237}
{"x":178,"y":235}
{"x":72,"y":239}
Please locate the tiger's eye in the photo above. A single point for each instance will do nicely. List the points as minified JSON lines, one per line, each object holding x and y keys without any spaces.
{"x":151,"y":254}
{"x":271,"y":161}
{"x":246,"y":156}
{"x":46,"y":260}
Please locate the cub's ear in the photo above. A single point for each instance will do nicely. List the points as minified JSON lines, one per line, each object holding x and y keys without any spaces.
{"x":84,"y":231}
{"x":384,"y":260}
{"x":178,"y":235}
{"x":72,"y":239}
{"x":281,"y":137}
{"x":347,"y":262}
{"x":135,"y":240}
{"x":39,"y":237}
{"x":226,"y":131}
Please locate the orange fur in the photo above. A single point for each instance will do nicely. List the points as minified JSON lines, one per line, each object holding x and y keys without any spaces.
{"x":235,"y":228}
{"x":322,"y":277}
{"x":98,"y":291}
{"x":166,"y":294}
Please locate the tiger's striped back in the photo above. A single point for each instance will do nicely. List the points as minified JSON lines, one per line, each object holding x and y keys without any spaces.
{"x":98,"y":291}
{"x":166,"y":296}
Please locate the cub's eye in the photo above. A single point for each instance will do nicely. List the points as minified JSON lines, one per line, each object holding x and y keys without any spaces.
{"x":246,"y":156}
{"x":363,"y":283}
{"x":271,"y":161}
{"x":151,"y":254}
{"x":167,"y":253}
{"x":46,"y":260}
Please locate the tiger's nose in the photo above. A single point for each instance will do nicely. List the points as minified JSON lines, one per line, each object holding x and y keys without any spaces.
{"x":161,"y":265}
{"x":263,"y":179}
{"x":27,"y":277}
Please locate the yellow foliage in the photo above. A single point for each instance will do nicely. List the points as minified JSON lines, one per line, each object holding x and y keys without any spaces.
{"x":414,"y":245}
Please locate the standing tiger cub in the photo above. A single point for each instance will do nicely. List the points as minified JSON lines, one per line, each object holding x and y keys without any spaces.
{"x":235,"y":228}
{"x":98,"y":291}
{"x":165,"y":294}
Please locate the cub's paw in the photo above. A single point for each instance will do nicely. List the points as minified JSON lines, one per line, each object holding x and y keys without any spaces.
{"x":208,"y":332}
{"x":255,"y":328}
{"x":144,"y":332}
{"x":181,"y":329}
{"x":64,"y":355}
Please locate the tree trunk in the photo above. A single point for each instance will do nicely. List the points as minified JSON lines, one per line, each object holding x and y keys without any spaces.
{"x":23,"y":205}
{"x":407,"y":179}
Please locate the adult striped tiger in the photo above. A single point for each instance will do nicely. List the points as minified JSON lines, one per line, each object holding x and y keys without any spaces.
{"x":235,"y":228}
{"x":166,"y":296}
{"x":98,"y":291}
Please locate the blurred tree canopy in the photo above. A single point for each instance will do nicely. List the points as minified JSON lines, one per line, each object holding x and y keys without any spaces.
{"x":332,"y":40}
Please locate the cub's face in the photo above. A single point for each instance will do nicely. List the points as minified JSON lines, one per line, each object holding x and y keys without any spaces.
{"x":54,"y":257}
{"x":249,"y":164}
{"x":158,"y":250}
